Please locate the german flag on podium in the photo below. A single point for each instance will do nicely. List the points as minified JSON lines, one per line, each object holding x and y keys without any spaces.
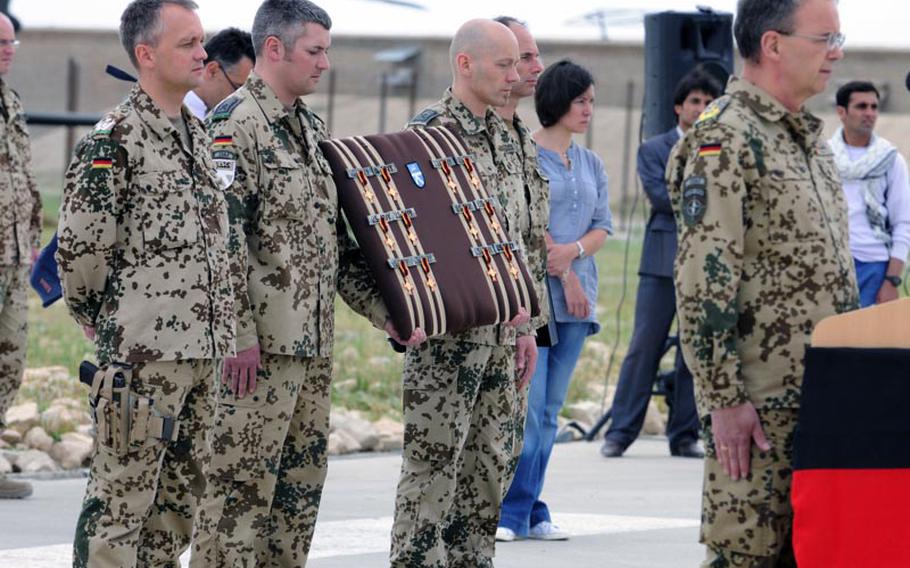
{"x":851,"y":479}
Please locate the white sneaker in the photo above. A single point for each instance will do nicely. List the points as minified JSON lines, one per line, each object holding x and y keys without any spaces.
{"x":505,"y":534}
{"x":545,"y":530}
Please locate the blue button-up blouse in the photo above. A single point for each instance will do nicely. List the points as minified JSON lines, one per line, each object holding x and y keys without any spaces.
{"x":578,"y":204}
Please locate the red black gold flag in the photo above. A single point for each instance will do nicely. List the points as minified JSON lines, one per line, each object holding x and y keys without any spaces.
{"x":851,"y":479}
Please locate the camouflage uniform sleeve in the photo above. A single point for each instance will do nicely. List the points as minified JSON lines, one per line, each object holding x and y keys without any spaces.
{"x":37,"y":216}
{"x":356,"y":284}
{"x":230,"y":143}
{"x":705,"y":179}
{"x":539,"y":207}
{"x":88,"y":226}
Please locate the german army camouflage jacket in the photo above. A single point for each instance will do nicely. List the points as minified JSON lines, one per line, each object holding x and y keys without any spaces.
{"x":285,"y":226}
{"x":20,"y":202}
{"x":535,"y":217}
{"x":763,"y":247}
{"x":142,"y":239}
{"x":500,"y":166}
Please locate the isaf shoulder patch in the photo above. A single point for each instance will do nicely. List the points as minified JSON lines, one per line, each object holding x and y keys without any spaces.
{"x":225,"y":108}
{"x":424,"y":118}
{"x":694,"y":200}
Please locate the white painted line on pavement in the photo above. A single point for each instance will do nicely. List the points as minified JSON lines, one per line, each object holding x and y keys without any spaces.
{"x":369,"y":536}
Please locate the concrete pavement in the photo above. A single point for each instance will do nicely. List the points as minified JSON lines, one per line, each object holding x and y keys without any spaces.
{"x":638,"y":511}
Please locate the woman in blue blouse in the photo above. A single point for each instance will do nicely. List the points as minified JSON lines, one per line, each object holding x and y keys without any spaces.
{"x":580,"y":220}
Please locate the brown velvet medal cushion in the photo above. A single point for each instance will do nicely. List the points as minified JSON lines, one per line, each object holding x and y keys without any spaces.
{"x":467,"y":301}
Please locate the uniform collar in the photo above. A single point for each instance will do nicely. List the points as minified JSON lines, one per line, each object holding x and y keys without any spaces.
{"x":150,"y":113}
{"x":767,"y":107}
{"x":469,"y":123}
{"x":268,"y":101}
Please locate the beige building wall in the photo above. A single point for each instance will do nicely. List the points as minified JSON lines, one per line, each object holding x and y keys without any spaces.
{"x":39,"y":75}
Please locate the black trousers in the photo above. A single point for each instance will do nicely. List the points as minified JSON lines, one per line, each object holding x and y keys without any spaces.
{"x":655,"y":310}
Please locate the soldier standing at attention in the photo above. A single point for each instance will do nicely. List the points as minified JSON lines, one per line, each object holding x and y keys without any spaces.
{"x":20,"y":231}
{"x":763,"y":257}
{"x":271,"y":425}
{"x":460,"y":389}
{"x":533,"y":204}
{"x":145,"y":269}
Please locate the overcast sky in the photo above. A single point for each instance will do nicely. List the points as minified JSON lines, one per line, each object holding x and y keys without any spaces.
{"x":866,"y":23}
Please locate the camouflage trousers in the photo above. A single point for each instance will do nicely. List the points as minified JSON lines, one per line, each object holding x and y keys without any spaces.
{"x":748,"y":523}
{"x":267,"y":469}
{"x":138,"y":507}
{"x":13,"y":332}
{"x":519,"y":417}
{"x":459,"y":441}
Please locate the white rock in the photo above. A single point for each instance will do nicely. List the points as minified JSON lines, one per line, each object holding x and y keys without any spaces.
{"x":60,"y":417}
{"x":584,"y":411}
{"x":655,"y":423}
{"x":86,"y":429}
{"x":77,"y":437}
{"x":11,"y":437}
{"x":38,"y":439}
{"x":361,"y":430}
{"x":71,"y":453}
{"x":391,"y":434}
{"x":5,"y":466}
{"x":340,"y":442}
{"x":33,"y":461}
{"x":23,"y":417}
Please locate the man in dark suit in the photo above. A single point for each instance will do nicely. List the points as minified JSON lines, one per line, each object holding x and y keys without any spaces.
{"x":655,"y":305}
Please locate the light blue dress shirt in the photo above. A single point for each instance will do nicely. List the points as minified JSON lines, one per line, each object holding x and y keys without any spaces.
{"x":578,"y":204}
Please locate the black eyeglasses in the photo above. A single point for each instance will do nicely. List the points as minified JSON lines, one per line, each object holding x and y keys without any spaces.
{"x":234,"y":85}
{"x":833,"y":41}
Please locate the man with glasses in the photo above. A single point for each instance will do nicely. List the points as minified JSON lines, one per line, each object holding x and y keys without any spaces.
{"x":229,"y":60}
{"x":763,"y":256}
{"x":20,"y":231}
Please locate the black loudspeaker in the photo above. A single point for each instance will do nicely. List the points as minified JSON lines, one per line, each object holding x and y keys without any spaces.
{"x":676,"y":43}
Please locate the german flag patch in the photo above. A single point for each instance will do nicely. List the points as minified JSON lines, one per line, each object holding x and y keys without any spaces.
{"x":706,"y":150}
{"x":223,"y":141}
{"x":102,"y":163}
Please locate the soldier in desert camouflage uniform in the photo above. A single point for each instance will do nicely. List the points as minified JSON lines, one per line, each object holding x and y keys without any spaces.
{"x":20,"y":230}
{"x":460,"y":389}
{"x":145,"y":269}
{"x":534,"y":201}
{"x":762,"y":258}
{"x":272,"y":413}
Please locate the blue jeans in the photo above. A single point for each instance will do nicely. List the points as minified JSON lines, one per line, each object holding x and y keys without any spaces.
{"x":870,"y":276}
{"x":522,"y":507}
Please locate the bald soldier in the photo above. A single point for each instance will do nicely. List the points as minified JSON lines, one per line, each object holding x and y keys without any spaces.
{"x":763,"y":257}
{"x":20,"y":231}
{"x":460,"y":389}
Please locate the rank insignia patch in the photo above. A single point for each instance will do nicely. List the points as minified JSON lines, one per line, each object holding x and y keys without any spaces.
{"x":694,"y":199}
{"x":416,"y":174}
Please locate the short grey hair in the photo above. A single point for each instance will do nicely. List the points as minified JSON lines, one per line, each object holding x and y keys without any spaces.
{"x":285,"y":19}
{"x":141,"y":23}
{"x":509,"y":21}
{"x":754,"y":18}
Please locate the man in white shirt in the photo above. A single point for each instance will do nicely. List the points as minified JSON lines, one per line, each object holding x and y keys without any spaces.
{"x":874,"y":176}
{"x":228,"y":62}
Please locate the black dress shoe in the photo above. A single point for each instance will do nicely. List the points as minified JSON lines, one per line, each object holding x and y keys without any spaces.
{"x":611,"y":449}
{"x":687,"y":450}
